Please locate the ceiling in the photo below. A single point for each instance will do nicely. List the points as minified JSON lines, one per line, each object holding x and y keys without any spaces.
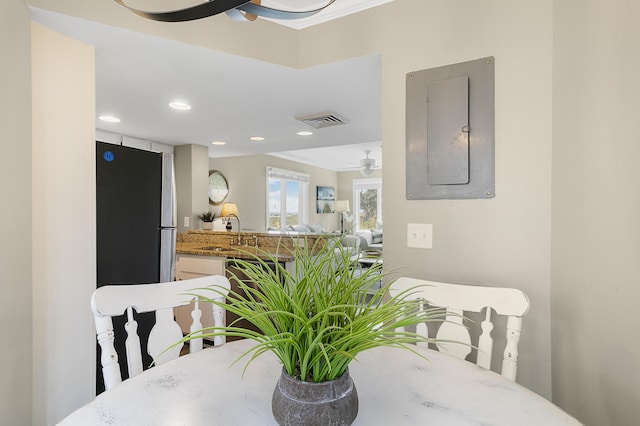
{"x":233,"y":97}
{"x":336,"y":10}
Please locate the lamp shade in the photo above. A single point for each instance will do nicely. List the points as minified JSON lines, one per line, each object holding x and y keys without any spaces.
{"x":342,"y":205}
{"x":229,"y":209}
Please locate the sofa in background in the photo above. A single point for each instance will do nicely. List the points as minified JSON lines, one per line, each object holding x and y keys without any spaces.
{"x":306,"y":229}
{"x":370,"y":239}
{"x":299,"y":229}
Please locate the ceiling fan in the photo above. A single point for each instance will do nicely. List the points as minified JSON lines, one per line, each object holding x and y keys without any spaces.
{"x":367,"y":165}
{"x":236,"y":9}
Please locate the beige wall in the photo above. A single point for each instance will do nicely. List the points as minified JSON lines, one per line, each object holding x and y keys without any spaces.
{"x":260,"y":39}
{"x":596,"y":211}
{"x":15,"y":215}
{"x":64,"y":253}
{"x":589,"y":48}
{"x":248,"y":186}
{"x":192,"y":184}
{"x":504,"y":241}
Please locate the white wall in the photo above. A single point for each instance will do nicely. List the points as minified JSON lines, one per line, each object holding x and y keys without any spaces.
{"x":596,"y":210}
{"x":64,"y":253}
{"x":15,"y":214}
{"x":248,"y":186}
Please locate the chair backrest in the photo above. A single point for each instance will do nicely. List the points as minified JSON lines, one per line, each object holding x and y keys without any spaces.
{"x":115,"y":300}
{"x":458,"y":299}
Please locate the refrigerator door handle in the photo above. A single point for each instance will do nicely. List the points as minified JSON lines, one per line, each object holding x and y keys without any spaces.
{"x":167,"y":254}
{"x":168,"y":220}
{"x":168,"y":212}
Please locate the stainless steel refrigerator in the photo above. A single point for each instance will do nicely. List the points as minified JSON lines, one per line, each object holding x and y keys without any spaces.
{"x":136,"y":232}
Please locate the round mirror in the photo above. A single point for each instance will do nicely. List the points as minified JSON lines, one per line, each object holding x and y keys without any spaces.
{"x":218,"y":187}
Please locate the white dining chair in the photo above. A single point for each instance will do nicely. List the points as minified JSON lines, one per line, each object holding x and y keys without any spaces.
{"x":116,"y":300}
{"x":459,"y":299}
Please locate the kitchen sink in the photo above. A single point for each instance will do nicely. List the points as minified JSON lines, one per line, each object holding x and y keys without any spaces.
{"x":218,"y":249}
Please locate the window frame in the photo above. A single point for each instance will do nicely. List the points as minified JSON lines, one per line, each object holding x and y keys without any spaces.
{"x":303,"y":194}
{"x":366,"y":184}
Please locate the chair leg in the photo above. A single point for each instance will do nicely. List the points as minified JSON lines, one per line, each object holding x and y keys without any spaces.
{"x":510,"y":360}
{"x":109,"y":357}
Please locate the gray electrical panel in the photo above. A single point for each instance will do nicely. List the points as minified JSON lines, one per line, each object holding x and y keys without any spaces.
{"x":450,"y":131}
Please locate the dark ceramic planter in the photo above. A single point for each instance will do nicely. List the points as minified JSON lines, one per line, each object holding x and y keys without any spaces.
{"x":332,"y":403}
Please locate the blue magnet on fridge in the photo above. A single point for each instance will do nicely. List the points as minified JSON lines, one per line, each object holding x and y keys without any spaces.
{"x":108,"y":156}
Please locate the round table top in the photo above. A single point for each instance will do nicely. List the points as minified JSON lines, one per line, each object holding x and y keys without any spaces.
{"x":394,"y":387}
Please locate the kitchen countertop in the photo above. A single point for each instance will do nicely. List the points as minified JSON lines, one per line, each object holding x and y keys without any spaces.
{"x":234,"y":252}
{"x":219,"y":244}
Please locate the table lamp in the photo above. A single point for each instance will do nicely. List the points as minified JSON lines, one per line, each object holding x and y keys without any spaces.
{"x":229,"y":210}
{"x":342,"y":207}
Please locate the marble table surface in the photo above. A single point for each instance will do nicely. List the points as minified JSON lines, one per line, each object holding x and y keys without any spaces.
{"x":395,"y":387}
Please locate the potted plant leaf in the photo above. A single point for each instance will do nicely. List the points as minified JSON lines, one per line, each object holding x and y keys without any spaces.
{"x":316,"y":317}
{"x":207,"y":220}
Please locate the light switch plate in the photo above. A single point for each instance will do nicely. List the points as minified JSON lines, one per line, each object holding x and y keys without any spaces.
{"x":186,"y":222}
{"x":420,"y":235}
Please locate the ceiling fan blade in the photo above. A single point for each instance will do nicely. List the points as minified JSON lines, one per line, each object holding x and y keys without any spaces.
{"x":199,"y":11}
{"x":251,"y":9}
{"x":367,"y":162}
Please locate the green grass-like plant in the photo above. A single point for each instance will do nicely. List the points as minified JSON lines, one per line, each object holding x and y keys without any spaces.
{"x":318,"y":315}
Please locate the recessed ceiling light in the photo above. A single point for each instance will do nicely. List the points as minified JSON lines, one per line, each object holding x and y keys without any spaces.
{"x":256,"y":138}
{"x":180,"y":106}
{"x":109,"y":118}
{"x":218,"y":143}
{"x":305,"y":133}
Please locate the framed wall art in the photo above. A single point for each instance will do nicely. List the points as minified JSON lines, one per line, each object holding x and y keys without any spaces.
{"x":325,"y":199}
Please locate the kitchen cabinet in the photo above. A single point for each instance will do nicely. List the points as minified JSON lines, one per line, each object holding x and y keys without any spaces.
{"x":193,"y":266}
{"x":235,"y":273}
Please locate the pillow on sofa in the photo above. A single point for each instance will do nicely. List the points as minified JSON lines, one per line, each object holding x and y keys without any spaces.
{"x":376,"y":236}
{"x":366,"y":235}
{"x":364,"y":244}
{"x":317,"y":228}
{"x":352,"y":242}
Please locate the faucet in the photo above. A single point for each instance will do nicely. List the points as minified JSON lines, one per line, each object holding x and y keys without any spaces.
{"x":238,"y":219}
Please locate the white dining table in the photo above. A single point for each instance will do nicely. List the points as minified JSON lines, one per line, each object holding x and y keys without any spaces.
{"x":395,"y":387}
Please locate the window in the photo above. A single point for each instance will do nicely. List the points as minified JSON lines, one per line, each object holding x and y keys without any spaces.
{"x":367,"y":199}
{"x":287,"y":197}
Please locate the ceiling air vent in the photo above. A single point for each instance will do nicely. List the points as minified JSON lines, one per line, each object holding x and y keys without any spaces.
{"x":323,"y":119}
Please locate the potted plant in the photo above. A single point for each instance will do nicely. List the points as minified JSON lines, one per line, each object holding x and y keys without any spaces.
{"x":207,"y":220}
{"x":316,"y":317}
